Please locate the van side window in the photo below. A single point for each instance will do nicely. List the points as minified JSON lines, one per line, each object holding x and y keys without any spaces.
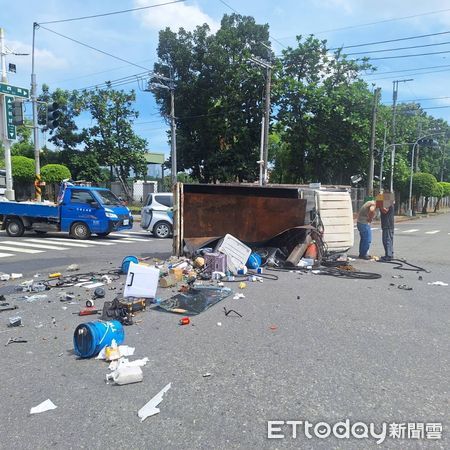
{"x":84,"y":197}
{"x":165,"y":200}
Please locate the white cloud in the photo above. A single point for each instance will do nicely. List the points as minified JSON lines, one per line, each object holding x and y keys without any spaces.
{"x":174,"y":16}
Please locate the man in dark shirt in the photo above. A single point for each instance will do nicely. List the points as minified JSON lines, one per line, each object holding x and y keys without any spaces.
{"x":387,"y":226}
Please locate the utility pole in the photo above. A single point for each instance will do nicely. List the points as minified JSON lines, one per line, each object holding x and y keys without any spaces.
{"x":376,"y":97}
{"x":382,"y":158}
{"x":394,"y":113}
{"x":35,"y":122}
{"x":266,"y":122}
{"x":9,"y":193}
{"x":173,"y":126}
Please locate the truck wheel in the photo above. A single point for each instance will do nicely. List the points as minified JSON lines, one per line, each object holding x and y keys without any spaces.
{"x":162,"y":230}
{"x":80,"y":230}
{"x":102,"y":234}
{"x":15,"y":228}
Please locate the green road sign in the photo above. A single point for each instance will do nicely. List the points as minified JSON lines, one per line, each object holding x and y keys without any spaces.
{"x":14,"y":90}
{"x":9,"y":117}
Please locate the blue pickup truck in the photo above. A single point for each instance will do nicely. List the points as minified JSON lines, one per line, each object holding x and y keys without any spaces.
{"x":80,"y":211}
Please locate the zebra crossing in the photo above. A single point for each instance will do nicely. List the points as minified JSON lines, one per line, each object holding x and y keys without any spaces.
{"x":30,"y":245}
{"x":410,"y":231}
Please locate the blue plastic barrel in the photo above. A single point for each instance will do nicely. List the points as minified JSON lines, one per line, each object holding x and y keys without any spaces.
{"x":126,"y":262}
{"x":89,"y":338}
{"x":254,"y":261}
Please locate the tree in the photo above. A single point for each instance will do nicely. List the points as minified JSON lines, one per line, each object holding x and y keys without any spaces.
{"x":23,"y":169}
{"x":53,"y":174}
{"x":443,"y":192}
{"x":424,"y":184}
{"x":112,"y":140}
{"x":218,"y":134}
{"x":324,"y":111}
{"x":24,"y":145}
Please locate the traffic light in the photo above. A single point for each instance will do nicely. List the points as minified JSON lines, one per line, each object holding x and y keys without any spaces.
{"x":53,"y":114}
{"x":428,"y":142}
{"x":17,"y":112}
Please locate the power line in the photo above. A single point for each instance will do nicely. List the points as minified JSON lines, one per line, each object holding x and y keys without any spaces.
{"x":95,"y":49}
{"x":111,"y":13}
{"x":420,"y":99}
{"x":411,"y":74}
{"x":391,"y":40}
{"x":408,"y":56}
{"x":406,"y":70}
{"x":398,"y":48}
{"x":381,"y":21}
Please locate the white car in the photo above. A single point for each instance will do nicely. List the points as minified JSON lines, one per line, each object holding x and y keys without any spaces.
{"x":157,"y":214}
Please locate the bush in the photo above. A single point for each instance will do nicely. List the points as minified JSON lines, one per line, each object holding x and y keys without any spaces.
{"x":23,"y":169}
{"x":55,"y":173}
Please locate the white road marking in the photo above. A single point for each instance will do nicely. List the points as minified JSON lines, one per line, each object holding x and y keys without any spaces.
{"x":135,"y":239}
{"x":432,"y":232}
{"x":24,"y":244}
{"x":125,"y":241}
{"x":5,"y":255}
{"x":21,"y":250}
{"x":69,"y":244}
{"x":374,"y":229}
{"x":89,"y":242}
{"x":411,"y":231}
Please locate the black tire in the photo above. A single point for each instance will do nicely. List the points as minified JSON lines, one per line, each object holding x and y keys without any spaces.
{"x":162,"y":229}
{"x":40,"y":232}
{"x":102,"y":235}
{"x":79,"y":230}
{"x":15,"y":228}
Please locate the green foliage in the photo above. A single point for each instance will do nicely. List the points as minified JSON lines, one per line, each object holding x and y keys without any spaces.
{"x":424,"y":184}
{"x":24,"y":145}
{"x":23,"y":169}
{"x":112,"y":141}
{"x":55,"y":173}
{"x":445,"y":188}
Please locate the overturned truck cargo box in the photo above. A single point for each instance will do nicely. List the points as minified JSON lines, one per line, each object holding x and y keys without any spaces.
{"x":256,"y":214}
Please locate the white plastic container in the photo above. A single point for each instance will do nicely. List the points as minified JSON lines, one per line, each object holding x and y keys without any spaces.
{"x":127,"y":375}
{"x":142,"y":281}
{"x":237,"y":252}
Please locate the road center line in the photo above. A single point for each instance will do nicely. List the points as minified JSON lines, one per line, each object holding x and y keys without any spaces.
{"x":432,"y":232}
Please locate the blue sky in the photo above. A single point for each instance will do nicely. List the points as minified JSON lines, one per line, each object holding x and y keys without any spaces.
{"x":134,"y":36}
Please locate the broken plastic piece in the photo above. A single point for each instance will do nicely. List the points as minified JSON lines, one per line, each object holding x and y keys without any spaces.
{"x":42,"y":407}
{"x":150,"y":408}
{"x":126,"y":375}
{"x":73,"y":268}
{"x":14,"y":276}
{"x":438,"y":283}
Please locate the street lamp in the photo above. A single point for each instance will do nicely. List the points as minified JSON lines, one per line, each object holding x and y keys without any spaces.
{"x":412,"y":167}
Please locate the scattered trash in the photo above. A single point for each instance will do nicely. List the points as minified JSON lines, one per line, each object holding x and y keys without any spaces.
{"x":124,"y":362}
{"x":219,"y":324}
{"x":206,"y":375}
{"x":15,"y":341}
{"x":42,"y":407}
{"x":420,"y":278}
{"x":195,"y":300}
{"x":124,"y":350}
{"x":89,"y":303}
{"x":107,"y":279}
{"x":99,"y":292}
{"x":437,"y":283}
{"x":242,"y":285}
{"x":9,"y":308}
{"x":88,"y":311}
{"x":53,"y":321}
{"x":168,"y":281}
{"x":398,"y":276}
{"x":238,"y":296}
{"x":55,"y":275}
{"x":15,"y":321}
{"x":237,"y":253}
{"x":229,"y":311}
{"x":184,"y":321}
{"x":215,"y":262}
{"x":126,"y":375}
{"x":273,"y":327}
{"x":142,"y":281}
{"x":73,"y":268}
{"x":91,"y":337}
{"x":5,"y":277}
{"x":405,"y":287}
{"x":150,"y":408}
{"x":15,"y":276}
{"x":34,"y":298}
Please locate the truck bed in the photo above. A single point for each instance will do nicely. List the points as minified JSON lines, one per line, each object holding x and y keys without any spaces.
{"x":29,"y":209}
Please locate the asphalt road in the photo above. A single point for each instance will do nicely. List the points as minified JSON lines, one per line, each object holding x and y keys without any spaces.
{"x":308,"y":347}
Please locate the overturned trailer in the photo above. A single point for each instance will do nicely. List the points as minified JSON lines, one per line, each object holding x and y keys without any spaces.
{"x":255,"y":215}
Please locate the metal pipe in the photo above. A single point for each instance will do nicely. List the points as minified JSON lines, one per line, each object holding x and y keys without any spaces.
{"x":35,"y":115}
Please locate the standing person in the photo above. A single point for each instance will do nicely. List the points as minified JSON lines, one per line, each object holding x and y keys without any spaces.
{"x":365,"y":217}
{"x":387,"y":226}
